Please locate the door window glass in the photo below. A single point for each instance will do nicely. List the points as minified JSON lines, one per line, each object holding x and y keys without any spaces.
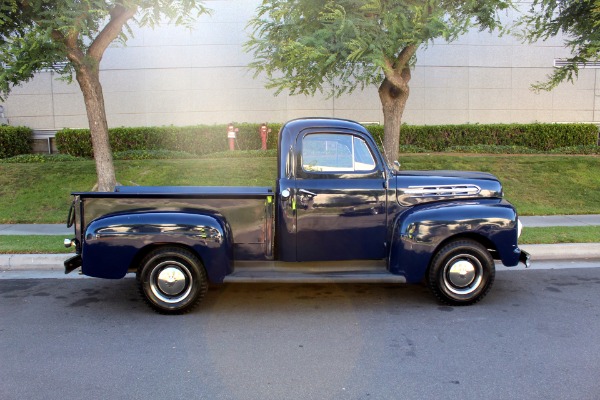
{"x":336,"y":153}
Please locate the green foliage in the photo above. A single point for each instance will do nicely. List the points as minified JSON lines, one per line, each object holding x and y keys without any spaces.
{"x":491,"y":149}
{"x":65,"y":35}
{"x":40,"y":158}
{"x":152,"y":155}
{"x":76,"y":142}
{"x":14,"y":140}
{"x":336,"y":46}
{"x":70,"y":37}
{"x":579,"y":23}
{"x":244,"y":154}
{"x":541,"y":137}
{"x":584,"y":149}
{"x":413,"y":149}
{"x":197,"y":140}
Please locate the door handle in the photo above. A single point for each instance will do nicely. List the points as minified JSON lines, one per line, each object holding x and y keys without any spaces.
{"x":306,"y":198}
{"x":306,"y":192}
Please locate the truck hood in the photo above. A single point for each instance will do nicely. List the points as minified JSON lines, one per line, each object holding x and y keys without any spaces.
{"x":417,"y":187}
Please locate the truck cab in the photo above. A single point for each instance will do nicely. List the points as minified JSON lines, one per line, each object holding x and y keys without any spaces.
{"x":334,"y":193}
{"x":338,"y":212}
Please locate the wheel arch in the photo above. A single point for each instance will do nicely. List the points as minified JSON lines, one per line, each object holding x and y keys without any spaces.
{"x":422,"y":231}
{"x":116,"y":244}
{"x":144,"y":251}
{"x":474,"y":236}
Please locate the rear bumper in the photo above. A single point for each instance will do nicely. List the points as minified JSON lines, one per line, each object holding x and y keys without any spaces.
{"x":73,"y":263}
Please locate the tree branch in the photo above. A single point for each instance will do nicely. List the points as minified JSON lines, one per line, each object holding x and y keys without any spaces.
{"x":404,"y":57}
{"x":119,"y":16}
{"x":74,"y":53}
{"x":397,"y":72}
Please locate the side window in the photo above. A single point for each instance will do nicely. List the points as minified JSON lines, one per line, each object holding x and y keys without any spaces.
{"x":323,"y":152}
{"x":363,"y":159}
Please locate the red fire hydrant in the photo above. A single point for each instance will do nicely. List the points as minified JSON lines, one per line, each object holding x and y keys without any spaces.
{"x":231,"y":134}
{"x":264,"y":135}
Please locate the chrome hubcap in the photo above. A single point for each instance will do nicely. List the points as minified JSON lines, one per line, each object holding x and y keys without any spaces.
{"x":463,"y":274}
{"x":171,"y":281}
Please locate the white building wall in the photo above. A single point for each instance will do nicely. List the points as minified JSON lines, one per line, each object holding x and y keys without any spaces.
{"x":172,"y":76}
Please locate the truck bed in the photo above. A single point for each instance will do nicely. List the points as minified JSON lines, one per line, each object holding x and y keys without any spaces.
{"x":248,"y":210}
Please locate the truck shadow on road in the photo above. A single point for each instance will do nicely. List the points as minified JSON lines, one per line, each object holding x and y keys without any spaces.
{"x":93,"y":295}
{"x":511,"y":289}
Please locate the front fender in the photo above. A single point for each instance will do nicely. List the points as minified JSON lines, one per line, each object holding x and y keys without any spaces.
{"x":418,"y":232}
{"x":111,"y":243}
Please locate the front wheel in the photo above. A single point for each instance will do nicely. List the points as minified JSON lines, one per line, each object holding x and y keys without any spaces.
{"x":461,"y":273}
{"x":172,"y":280}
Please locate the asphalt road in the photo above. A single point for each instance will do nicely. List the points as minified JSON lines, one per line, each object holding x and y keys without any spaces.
{"x":536,"y":336}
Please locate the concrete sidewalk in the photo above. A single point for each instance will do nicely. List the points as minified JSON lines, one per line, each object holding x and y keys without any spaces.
{"x":531,"y":222}
{"x":35,"y":229}
{"x":561,"y":220}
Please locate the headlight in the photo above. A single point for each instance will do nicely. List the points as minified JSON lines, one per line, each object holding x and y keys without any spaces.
{"x":519,"y":228}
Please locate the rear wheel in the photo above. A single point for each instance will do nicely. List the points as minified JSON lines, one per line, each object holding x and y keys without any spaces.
{"x":172,"y":280}
{"x":461,"y":273}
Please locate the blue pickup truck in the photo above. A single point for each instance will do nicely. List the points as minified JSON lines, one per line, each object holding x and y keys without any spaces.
{"x":338,"y":211}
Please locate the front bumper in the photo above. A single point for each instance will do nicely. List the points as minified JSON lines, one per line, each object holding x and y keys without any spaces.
{"x":525,"y":258}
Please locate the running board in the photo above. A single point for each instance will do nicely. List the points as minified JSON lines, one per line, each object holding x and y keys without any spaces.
{"x":273,"y":272}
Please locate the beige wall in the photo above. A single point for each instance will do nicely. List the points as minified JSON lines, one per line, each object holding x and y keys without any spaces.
{"x":174,"y":76}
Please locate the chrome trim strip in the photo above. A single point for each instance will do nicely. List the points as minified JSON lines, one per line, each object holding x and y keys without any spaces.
{"x":442,"y":190}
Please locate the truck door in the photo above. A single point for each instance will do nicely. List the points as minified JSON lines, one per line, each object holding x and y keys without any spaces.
{"x":340,"y":197}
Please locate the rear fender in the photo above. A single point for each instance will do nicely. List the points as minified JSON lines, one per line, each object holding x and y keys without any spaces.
{"x":418,"y":233}
{"x":112,"y":242}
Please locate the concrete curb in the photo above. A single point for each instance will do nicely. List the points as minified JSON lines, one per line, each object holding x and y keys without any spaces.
{"x":564,"y":251}
{"x":33,"y":262}
{"x":539,"y":252}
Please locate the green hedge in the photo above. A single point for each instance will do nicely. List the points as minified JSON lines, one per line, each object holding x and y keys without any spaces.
{"x":14,"y":140}
{"x":199,"y":140}
{"x":204,"y":139}
{"x":543,"y":137}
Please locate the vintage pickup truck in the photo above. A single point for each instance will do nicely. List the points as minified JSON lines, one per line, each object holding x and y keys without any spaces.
{"x":339,"y":211}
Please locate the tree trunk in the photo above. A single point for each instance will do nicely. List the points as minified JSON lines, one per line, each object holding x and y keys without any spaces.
{"x":89,"y":82}
{"x":393,"y":101}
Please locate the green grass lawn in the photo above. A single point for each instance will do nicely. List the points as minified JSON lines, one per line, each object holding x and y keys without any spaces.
{"x":13,"y":244}
{"x":40,"y":193}
{"x":560,"y":234}
{"x":536,"y":185}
